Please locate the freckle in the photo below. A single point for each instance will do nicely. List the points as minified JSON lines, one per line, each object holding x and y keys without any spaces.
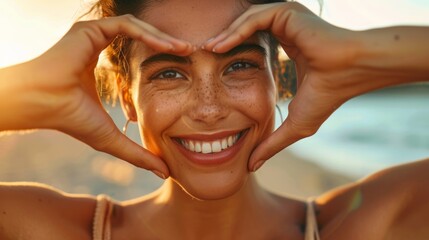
{"x":39,"y":200}
{"x":4,"y":212}
{"x":397,"y":37}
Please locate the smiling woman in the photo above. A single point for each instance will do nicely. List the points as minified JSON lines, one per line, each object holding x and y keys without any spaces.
{"x":203,"y":94}
{"x":201,"y":99}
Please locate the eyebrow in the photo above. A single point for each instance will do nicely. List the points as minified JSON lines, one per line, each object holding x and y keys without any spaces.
{"x":240,"y":49}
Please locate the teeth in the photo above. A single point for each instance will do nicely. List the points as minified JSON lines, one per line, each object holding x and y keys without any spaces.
{"x":216,"y":147}
{"x":207,"y":148}
{"x":197,"y":147}
{"x":210,"y":147}
{"x":230,"y":142}
{"x":191,"y":146}
{"x":224,"y":143}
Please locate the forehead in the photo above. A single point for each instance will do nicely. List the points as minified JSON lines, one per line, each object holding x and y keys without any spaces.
{"x":193,"y":20}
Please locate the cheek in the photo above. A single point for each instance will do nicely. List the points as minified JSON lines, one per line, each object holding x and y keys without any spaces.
{"x":157,"y":112}
{"x":256,"y":99}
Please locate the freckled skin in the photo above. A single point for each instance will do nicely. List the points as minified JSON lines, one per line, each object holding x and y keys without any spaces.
{"x":207,"y":100}
{"x":206,"y":104}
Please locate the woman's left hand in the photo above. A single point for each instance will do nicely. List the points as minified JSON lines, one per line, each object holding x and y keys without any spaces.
{"x":333,"y":64}
{"x":315,"y":46}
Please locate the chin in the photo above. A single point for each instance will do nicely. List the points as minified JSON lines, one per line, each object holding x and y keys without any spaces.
{"x":214,"y":186}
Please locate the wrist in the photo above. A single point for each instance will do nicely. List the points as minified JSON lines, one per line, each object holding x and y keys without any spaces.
{"x":392,"y":56}
{"x":26,"y":104}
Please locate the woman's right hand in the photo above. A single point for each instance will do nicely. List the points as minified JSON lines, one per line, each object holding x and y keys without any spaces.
{"x":57,"y":90}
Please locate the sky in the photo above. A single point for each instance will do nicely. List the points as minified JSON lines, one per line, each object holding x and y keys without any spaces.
{"x":28,"y":28}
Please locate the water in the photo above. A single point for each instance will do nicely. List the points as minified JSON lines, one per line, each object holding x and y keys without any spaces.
{"x":372,"y":132}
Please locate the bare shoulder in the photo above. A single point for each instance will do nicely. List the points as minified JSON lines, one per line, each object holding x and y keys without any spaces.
{"x":37,"y":211}
{"x":390,"y":204}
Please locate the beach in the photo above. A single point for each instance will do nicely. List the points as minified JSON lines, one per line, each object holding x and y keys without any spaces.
{"x":53,"y":158}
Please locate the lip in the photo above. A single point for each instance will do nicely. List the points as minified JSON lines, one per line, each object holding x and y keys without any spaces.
{"x":212,"y":158}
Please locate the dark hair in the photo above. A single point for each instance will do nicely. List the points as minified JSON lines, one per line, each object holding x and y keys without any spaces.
{"x":117,"y":53}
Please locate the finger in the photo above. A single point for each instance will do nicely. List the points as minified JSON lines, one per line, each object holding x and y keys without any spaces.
{"x":97,"y":129}
{"x":107,"y":138}
{"x":300,"y":123}
{"x":179,"y":46}
{"x":120,"y":146}
{"x":287,"y":133}
{"x":102,"y":32}
{"x":256,"y":18}
{"x":284,"y":136}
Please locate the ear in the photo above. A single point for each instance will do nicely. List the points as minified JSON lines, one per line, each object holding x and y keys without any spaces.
{"x":126,"y":100}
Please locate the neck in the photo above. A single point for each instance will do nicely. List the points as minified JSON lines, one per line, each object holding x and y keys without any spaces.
{"x":224,"y":217}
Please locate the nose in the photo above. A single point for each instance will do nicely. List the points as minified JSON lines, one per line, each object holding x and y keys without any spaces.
{"x":209,"y":100}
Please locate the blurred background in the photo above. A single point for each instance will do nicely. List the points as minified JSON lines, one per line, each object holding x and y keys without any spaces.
{"x":368,"y":133}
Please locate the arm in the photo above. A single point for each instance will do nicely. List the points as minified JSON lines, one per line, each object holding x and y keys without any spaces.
{"x":411,"y":220}
{"x":333,"y":64}
{"x":35,"y":211}
{"x":57,"y":90}
{"x":23,"y":105}
{"x":391,"y":56}
{"x":390,"y":204}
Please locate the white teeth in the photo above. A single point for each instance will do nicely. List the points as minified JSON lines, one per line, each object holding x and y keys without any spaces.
{"x":216,"y":146}
{"x":191,"y":146}
{"x":197,"y":147}
{"x":224,"y":143}
{"x":230,"y":141}
{"x":210,"y":147}
{"x":207,"y":148}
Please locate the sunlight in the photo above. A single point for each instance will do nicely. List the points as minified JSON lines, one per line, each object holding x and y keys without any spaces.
{"x":30,"y":27}
{"x":366,"y":14}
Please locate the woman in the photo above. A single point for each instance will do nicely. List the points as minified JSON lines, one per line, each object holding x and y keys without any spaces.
{"x":206,"y":108}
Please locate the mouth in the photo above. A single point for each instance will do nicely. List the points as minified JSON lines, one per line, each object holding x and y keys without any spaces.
{"x":211,"y":149}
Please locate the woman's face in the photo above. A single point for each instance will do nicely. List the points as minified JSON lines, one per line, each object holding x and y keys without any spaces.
{"x":203,"y":113}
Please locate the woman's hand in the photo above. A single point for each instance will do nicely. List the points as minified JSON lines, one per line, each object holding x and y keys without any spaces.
{"x":57,"y":90}
{"x":333,"y":64}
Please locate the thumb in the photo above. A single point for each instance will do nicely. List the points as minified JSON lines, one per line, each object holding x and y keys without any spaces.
{"x":120,"y":146}
{"x":301,"y":122}
{"x":284,"y":136}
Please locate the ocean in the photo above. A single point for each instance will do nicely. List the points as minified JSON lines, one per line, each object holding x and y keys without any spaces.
{"x":371,"y":132}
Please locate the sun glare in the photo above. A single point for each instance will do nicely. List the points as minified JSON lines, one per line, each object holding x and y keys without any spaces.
{"x":28,"y":28}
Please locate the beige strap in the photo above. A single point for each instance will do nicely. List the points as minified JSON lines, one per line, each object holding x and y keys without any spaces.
{"x":102,"y":217}
{"x":311,"y":230}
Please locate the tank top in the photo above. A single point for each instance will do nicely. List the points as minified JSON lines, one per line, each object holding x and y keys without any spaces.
{"x":103,"y":213}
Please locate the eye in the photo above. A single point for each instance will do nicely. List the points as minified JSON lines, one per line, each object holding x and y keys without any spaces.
{"x":239,"y":66}
{"x":168,"y":75}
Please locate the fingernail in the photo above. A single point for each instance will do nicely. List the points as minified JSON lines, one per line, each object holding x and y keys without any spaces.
{"x":159,"y":174}
{"x":216,"y":47}
{"x":258,"y":165}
